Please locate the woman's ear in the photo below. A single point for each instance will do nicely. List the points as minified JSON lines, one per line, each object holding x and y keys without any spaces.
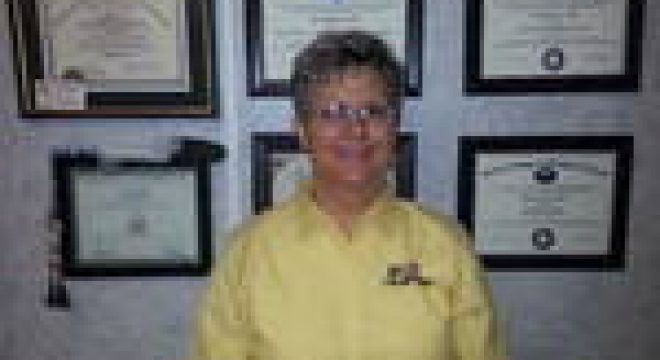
{"x":302,"y":135}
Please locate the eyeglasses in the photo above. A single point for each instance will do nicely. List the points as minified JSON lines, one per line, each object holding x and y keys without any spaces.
{"x":339,"y":113}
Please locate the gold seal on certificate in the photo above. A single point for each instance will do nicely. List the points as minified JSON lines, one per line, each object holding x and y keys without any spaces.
{"x":133,"y":56}
{"x":539,"y":201}
{"x":540,"y":45}
{"x":279,"y":29}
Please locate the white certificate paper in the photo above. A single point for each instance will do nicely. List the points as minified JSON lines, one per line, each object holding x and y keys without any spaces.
{"x":289,"y":170}
{"x":60,"y":94}
{"x":135,"y":217}
{"x":118,"y":45}
{"x":553,"y":37}
{"x":558,"y":203}
{"x":289,"y":25}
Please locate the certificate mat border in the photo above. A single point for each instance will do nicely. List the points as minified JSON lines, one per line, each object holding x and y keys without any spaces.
{"x":199,"y":102}
{"x":474,"y":84}
{"x":264,"y":144}
{"x":63,"y":165}
{"x":621,"y":146}
{"x":258,"y":86}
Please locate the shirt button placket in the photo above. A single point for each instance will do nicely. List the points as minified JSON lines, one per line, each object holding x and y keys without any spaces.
{"x":356,"y":314}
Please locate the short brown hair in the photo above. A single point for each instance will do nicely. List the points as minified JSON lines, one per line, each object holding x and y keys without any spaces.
{"x":335,"y":52}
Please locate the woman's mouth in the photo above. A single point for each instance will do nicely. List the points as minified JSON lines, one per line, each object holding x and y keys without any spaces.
{"x":353,"y":152}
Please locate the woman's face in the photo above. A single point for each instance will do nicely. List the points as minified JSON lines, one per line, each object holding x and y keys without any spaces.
{"x":351,"y":129}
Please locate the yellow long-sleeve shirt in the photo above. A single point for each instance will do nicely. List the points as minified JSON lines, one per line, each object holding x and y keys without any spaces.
{"x":293,"y":286}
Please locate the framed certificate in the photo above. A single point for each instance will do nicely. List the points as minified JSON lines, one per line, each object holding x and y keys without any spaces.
{"x":132,"y":218}
{"x":120,"y":58}
{"x":522,"y":46}
{"x":278,"y":29}
{"x":279,"y":165}
{"x":544,"y":202}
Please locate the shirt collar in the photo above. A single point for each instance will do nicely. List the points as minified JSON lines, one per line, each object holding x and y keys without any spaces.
{"x":314,"y":219}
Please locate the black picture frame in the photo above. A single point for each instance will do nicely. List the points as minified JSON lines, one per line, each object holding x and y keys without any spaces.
{"x":620,"y":146}
{"x":474,"y":84}
{"x":265,"y":144}
{"x":64,"y":163}
{"x":259,"y":86}
{"x":200,"y":101}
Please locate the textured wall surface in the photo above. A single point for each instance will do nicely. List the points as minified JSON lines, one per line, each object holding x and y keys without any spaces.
{"x":558,"y":315}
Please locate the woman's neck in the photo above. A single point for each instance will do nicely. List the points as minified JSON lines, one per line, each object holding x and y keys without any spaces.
{"x":344,"y":202}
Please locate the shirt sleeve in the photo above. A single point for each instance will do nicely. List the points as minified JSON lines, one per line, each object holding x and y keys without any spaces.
{"x":475,"y":329}
{"x":222,"y":330}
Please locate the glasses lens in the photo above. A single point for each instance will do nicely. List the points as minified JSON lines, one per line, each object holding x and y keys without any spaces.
{"x":344,"y":113}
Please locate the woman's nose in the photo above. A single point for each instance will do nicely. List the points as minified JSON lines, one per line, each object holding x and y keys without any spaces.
{"x":358,"y":126}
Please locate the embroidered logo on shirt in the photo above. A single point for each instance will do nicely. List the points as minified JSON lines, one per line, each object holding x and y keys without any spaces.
{"x":406,"y":274}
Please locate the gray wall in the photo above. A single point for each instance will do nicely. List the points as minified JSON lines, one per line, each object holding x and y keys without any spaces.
{"x":558,"y":316}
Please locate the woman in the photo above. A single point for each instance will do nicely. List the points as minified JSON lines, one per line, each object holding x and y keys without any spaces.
{"x":343,"y":270}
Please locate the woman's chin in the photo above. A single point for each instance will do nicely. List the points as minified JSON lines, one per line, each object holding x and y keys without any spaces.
{"x":356,"y":180}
